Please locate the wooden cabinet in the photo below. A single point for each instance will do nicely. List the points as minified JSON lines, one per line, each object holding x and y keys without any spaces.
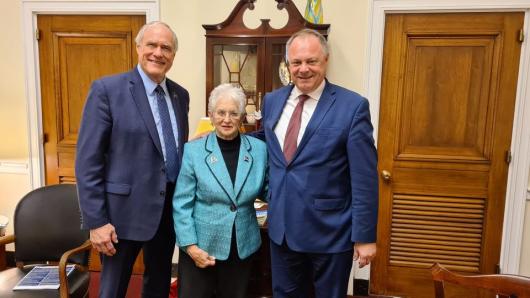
{"x":254,"y":59}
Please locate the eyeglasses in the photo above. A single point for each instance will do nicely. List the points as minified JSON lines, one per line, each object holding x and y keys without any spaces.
{"x":222,"y":114}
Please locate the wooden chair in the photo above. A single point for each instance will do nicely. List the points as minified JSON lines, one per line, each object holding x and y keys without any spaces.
{"x":504,"y":285}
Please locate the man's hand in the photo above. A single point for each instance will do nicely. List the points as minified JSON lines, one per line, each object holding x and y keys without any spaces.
{"x":103,"y":238}
{"x":201,"y":258}
{"x":364,"y":253}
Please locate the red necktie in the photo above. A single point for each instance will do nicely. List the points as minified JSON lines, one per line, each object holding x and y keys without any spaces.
{"x":291,"y":136}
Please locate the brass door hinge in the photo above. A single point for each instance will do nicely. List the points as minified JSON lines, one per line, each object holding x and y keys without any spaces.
{"x":497,"y":269}
{"x":37,"y":34}
{"x":521,"y":35}
{"x":508,"y":157}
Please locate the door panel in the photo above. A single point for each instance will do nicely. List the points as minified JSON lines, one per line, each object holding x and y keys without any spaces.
{"x":445,"y":99}
{"x":447,"y":103}
{"x":74,"y":51}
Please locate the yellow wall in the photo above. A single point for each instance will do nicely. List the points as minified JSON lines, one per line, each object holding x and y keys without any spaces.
{"x":347,"y":40}
{"x":13,"y":122}
{"x":13,"y":119}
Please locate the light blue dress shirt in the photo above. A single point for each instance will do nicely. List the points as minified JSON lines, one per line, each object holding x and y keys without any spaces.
{"x":151,"y":97}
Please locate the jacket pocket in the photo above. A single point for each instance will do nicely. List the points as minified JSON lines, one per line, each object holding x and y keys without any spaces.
{"x":117,"y":188}
{"x":329,"y":204}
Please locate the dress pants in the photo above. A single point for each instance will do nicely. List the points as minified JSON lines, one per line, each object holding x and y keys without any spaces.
{"x":293,"y":272}
{"x":158,"y":253}
{"x":227,"y":279}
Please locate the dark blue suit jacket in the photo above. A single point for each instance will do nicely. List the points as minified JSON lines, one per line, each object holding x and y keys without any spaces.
{"x":120,"y":167}
{"x":327,"y":197}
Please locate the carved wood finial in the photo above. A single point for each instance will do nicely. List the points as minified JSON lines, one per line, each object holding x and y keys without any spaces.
{"x":280,"y":5}
{"x":251,"y":4}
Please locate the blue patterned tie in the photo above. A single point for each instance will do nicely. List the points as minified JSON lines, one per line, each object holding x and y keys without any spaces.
{"x":169,"y":137}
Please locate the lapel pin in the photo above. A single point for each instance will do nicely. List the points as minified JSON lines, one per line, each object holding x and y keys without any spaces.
{"x":213,"y":159}
{"x":246,"y":158}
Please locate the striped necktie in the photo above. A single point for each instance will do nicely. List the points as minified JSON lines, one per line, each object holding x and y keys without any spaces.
{"x":291,"y":136}
{"x":169,"y":137}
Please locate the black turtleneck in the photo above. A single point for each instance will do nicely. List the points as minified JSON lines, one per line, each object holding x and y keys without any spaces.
{"x":230,"y":150}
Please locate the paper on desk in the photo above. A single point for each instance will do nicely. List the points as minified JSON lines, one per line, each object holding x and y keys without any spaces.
{"x":42,"y":277}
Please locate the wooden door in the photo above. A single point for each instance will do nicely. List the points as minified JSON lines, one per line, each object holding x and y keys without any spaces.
{"x":74,"y":50}
{"x":447,"y":105}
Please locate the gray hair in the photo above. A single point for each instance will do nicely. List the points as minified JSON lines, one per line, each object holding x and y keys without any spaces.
{"x":140,"y":35}
{"x":229,"y":91}
{"x":305,"y":33}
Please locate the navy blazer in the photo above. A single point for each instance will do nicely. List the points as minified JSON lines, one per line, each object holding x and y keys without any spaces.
{"x":326,"y":198}
{"x":120,"y":167}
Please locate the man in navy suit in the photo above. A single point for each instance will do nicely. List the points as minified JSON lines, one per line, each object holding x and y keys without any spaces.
{"x":129,"y":150}
{"x":323,"y":183}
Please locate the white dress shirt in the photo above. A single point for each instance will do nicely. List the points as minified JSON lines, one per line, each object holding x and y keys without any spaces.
{"x":309,"y":108}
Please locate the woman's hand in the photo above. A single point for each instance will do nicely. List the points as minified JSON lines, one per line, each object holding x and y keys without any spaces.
{"x":201,"y":258}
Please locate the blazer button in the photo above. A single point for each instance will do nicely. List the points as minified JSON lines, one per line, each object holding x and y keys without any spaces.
{"x":233,"y":208}
{"x":162,"y":193}
{"x":163,"y":170}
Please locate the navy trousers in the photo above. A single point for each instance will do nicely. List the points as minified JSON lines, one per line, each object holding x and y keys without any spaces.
{"x":294,"y":272}
{"x":158,"y":253}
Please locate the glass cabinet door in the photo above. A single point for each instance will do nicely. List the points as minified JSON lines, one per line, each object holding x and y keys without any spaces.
{"x":238,"y":65}
{"x":279,"y":74}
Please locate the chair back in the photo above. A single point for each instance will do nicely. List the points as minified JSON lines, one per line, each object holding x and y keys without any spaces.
{"x":504,"y":285}
{"x":47,"y":223}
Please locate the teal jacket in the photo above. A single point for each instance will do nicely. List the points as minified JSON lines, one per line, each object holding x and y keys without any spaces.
{"x":205,"y":197}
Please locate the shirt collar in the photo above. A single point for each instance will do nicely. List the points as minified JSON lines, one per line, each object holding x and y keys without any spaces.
{"x":315,"y":94}
{"x":149,"y":84}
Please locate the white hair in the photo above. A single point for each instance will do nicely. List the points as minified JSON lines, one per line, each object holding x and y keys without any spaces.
{"x":228,"y":91}
{"x":140,"y":35}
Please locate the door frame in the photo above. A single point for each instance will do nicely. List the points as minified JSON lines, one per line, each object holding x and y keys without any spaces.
{"x":517,"y":184}
{"x":30,"y":10}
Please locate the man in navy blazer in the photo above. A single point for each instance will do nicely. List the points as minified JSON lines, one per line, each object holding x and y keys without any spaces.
{"x":323,"y":183}
{"x":129,"y":149}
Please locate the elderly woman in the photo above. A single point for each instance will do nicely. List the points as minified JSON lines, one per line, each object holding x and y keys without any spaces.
{"x":215,"y":221}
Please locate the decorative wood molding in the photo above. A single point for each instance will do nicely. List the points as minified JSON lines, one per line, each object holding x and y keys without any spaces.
{"x":517,"y":184}
{"x":30,"y":10}
{"x":13,"y":167}
{"x":234,"y":26}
